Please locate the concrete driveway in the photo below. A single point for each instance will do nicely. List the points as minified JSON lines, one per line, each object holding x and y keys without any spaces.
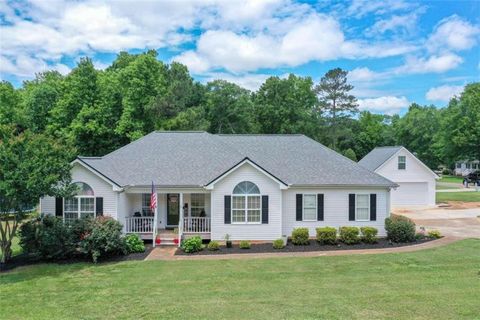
{"x":460,"y":223}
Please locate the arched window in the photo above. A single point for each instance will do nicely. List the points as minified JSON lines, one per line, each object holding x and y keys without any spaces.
{"x":246,"y":203}
{"x":81,"y":205}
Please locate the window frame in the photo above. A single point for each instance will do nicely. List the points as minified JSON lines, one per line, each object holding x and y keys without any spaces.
{"x":303,"y":207}
{"x":368,"y":207}
{"x":404,"y":162}
{"x":148,"y":197}
{"x":192,"y":206}
{"x":79,"y":210}
{"x":246,"y":209}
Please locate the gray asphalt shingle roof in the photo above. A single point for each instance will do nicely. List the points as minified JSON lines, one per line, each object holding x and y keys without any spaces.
{"x":196,"y":158}
{"x":378,"y":156}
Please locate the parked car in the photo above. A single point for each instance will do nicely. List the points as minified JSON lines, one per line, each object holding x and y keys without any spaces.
{"x":472,"y":177}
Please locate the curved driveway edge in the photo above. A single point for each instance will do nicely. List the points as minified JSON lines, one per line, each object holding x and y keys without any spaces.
{"x":167,"y":253}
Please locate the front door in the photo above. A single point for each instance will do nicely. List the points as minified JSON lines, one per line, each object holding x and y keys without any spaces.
{"x":173,"y":209}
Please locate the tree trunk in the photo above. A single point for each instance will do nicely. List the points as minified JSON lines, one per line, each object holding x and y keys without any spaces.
{"x":334,"y":125}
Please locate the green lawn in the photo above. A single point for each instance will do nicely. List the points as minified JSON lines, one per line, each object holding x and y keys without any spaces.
{"x":458,"y":196}
{"x":447,"y":187}
{"x":453,"y":179}
{"x":441,"y":283}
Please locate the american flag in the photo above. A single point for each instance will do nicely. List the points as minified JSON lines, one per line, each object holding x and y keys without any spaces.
{"x":153,"y":198}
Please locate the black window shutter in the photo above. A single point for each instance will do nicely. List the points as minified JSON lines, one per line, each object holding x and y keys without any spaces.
{"x":351,"y":207}
{"x":228,"y":209}
{"x":320,"y":206}
{"x":264,"y":209}
{"x":59,"y":207}
{"x":373,"y":207}
{"x":299,"y":207}
{"x":99,"y":206}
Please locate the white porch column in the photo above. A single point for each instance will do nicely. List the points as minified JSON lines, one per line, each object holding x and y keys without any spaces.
{"x":180,"y":219}
{"x":155,"y":219}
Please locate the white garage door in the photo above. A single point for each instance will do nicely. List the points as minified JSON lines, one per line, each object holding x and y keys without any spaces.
{"x":410,"y":194}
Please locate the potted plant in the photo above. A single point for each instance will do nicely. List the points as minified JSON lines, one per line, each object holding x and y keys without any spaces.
{"x":228,"y":242}
{"x":285,"y":239}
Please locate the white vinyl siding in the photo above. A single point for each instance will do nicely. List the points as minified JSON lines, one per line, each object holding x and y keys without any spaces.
{"x":336,"y":209}
{"x":309,"y":207}
{"x":362,"y":207}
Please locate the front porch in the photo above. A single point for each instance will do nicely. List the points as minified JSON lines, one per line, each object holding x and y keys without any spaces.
{"x":178,"y":215}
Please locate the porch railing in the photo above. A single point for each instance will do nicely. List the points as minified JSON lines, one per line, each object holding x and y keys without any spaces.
{"x":196,"y":224}
{"x":139,"y":224}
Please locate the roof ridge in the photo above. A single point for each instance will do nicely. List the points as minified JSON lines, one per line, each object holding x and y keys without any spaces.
{"x":258,"y":134}
{"x":179,"y":131}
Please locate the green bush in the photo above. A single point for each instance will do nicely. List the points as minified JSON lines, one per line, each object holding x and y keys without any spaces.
{"x":369,"y":234}
{"x":104,"y":239}
{"x":134,"y":243}
{"x":327,"y":235}
{"x":400,"y":229}
{"x":47,"y":237}
{"x":213,"y":245}
{"x":192,"y":244}
{"x":349,"y":235}
{"x":244,"y":244}
{"x":435,"y":234}
{"x":300,"y":236}
{"x":278,"y":244}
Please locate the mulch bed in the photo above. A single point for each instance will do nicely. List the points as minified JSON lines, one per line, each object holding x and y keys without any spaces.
{"x":313,"y":246}
{"x":25,"y":260}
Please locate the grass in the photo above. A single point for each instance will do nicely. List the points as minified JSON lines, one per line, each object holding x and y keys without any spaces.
{"x":451,"y":186}
{"x":440,"y":283}
{"x":453,"y":179}
{"x":458,"y":196}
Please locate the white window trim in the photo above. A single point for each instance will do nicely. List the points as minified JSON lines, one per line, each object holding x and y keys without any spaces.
{"x":356,"y":207}
{"x":79,"y":206}
{"x":245,"y":209}
{"x":398,"y":162}
{"x":303,"y":206}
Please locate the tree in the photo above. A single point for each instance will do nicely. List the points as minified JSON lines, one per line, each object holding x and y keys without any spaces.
{"x":373,"y":130}
{"x":334,"y":99}
{"x":285,"y":105}
{"x":459,"y":134}
{"x":10,"y":100}
{"x":229,"y":108}
{"x":350,"y":154}
{"x":32,"y":166}
{"x":417,"y":131}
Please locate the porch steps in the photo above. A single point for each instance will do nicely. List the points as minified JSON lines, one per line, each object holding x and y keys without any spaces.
{"x":166,"y":240}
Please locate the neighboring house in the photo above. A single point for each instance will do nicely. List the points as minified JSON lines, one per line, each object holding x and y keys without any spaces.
{"x":253,"y":187}
{"x":416,"y":182}
{"x":464,"y":167}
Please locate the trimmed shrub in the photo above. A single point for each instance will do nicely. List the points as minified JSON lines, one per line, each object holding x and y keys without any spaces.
{"x":192,"y":244}
{"x":369,"y":234}
{"x":434,"y":234}
{"x":349,"y":235}
{"x":134,"y":243}
{"x":300,"y":236}
{"x":327,"y":235}
{"x":400,"y":229}
{"x":47,"y":237}
{"x":278,"y":244}
{"x":104,"y":239}
{"x":244,"y":244}
{"x":213,"y":245}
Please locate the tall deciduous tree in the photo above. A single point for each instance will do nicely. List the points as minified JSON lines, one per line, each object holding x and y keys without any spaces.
{"x":10,"y":105}
{"x":285,"y":105}
{"x":373,"y":130}
{"x":335,"y":100}
{"x":31,"y":166}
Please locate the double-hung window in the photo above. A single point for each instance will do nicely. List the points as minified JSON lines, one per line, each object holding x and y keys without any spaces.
{"x":362,"y":207}
{"x":309,"y":207}
{"x":197,"y":204}
{"x":246,"y":203}
{"x":146,"y":210}
{"x":402,"y":162}
{"x":81,"y":205}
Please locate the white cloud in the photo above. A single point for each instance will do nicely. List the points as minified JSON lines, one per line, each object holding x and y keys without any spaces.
{"x":434,"y":64}
{"x":364,"y":74}
{"x":443,"y":93}
{"x":453,"y":33}
{"x":24,"y":66}
{"x":361,"y":8}
{"x":250,"y":81}
{"x":403,"y":23}
{"x":386,"y":104}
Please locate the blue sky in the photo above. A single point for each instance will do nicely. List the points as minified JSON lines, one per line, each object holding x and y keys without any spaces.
{"x":397,"y":52}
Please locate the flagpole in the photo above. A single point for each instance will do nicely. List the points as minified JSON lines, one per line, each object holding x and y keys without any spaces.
{"x":155,"y":216}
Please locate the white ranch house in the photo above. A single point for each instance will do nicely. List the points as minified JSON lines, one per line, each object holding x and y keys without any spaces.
{"x":416,"y":182}
{"x":251,"y":187}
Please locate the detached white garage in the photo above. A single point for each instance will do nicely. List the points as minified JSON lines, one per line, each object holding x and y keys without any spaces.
{"x":416,"y":182}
